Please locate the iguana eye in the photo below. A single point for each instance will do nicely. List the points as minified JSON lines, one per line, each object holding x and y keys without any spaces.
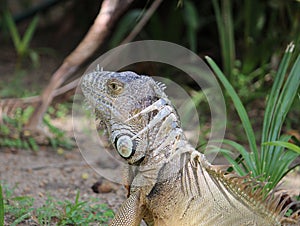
{"x":115,"y":86}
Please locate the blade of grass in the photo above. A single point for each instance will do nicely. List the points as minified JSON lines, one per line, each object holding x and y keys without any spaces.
{"x":282,"y":168}
{"x":24,"y":45}
{"x":284,"y":103}
{"x":228,"y":24}
{"x":192,"y":19}
{"x":241,"y":150}
{"x":241,"y":112}
{"x":286,"y":98}
{"x":237,"y":168}
{"x":226,"y":36}
{"x":12,"y":29}
{"x":1,"y":207}
{"x":287,"y":145}
{"x":246,"y":155}
{"x":279,"y":162}
{"x":272,"y":99}
{"x":272,"y":108}
{"x":125,"y":25}
{"x":21,"y":218}
{"x":272,"y":158}
{"x":228,"y":155}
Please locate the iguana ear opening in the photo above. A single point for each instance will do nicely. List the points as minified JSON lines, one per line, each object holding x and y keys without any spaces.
{"x":125,"y":146}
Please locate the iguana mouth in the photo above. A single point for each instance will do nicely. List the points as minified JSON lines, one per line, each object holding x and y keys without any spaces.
{"x":137,"y":162}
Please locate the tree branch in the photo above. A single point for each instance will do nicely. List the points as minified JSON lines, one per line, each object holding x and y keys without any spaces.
{"x":110,"y":11}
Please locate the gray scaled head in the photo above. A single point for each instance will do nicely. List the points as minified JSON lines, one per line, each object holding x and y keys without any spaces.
{"x":116,"y":97}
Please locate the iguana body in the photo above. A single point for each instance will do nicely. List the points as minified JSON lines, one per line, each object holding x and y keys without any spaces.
{"x":170,"y":182}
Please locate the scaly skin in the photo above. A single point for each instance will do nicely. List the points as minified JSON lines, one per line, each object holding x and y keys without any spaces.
{"x":170,"y":182}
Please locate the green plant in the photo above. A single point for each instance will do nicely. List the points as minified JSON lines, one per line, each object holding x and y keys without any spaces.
{"x":270,"y":161}
{"x":59,"y":138}
{"x":178,"y":18}
{"x":20,"y":207}
{"x":53,"y":211}
{"x":284,"y":144}
{"x":260,"y":25}
{"x":249,"y":34}
{"x":192,"y":23}
{"x":14,"y":87}
{"x":13,"y":135}
{"x":60,"y":110}
{"x":79,"y":213}
{"x":11,"y":130}
{"x":226,"y":35}
{"x":22,"y":44}
{"x":48,"y":212}
{"x":1,"y":207}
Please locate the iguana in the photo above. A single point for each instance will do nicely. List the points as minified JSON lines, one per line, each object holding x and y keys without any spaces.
{"x":170,"y":182}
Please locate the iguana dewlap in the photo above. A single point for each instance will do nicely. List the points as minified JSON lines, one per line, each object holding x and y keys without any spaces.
{"x":170,"y":182}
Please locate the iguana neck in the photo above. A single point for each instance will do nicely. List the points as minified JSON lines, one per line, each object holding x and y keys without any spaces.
{"x":162,"y":159}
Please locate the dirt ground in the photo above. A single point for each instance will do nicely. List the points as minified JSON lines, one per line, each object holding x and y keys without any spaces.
{"x":46,"y":173}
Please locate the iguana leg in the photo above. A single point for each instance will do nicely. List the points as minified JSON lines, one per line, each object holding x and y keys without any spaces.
{"x":129,"y":172}
{"x":130,"y":213}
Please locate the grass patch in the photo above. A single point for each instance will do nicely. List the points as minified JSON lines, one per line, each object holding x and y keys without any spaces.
{"x":54,"y":212}
{"x":13,"y":135}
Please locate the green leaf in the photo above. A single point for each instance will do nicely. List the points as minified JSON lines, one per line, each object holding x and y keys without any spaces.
{"x":226,"y":34}
{"x":34,"y":56}
{"x":273,"y":97}
{"x":271,"y":110}
{"x":191,"y":17}
{"x":241,"y":112}
{"x":281,"y":98}
{"x":233,"y":162}
{"x":24,"y":47}
{"x":13,"y":30}
{"x":33,"y":144}
{"x":26,"y":114}
{"x":21,"y":218}
{"x":287,"y":145}
{"x":271,"y":158}
{"x":250,"y":166}
{"x":286,"y":97}
{"x":127,"y":22}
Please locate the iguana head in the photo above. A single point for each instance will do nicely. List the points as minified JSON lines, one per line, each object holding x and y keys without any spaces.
{"x":116,"y":98}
